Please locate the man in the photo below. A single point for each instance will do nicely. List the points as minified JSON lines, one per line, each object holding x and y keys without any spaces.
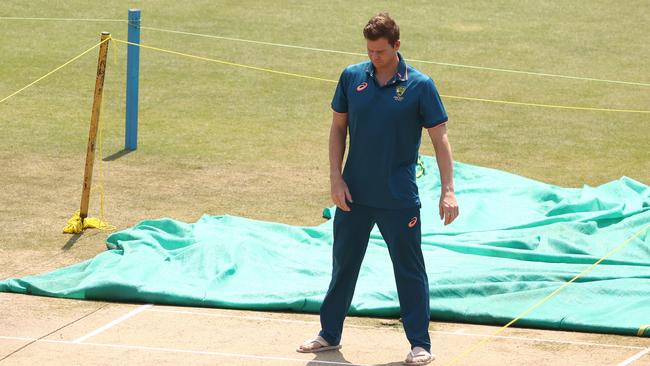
{"x":384,"y":104}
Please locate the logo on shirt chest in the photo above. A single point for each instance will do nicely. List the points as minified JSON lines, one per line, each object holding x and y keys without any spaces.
{"x":362,"y":86}
{"x":399,"y":92}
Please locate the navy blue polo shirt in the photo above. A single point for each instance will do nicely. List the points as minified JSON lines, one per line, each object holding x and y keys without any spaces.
{"x":385,"y":125}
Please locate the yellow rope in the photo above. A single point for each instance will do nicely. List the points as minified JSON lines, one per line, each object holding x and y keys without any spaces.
{"x":341,"y":52}
{"x":53,"y":71}
{"x":533,"y":73}
{"x":114,"y":48}
{"x":539,"y":303}
{"x":225,"y":62}
{"x":547,"y":105}
{"x":334,"y":81}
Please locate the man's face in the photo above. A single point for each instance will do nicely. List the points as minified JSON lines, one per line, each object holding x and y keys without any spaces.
{"x":381,"y":53}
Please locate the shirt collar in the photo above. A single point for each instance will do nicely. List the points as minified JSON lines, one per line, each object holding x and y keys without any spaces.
{"x":401,"y":74}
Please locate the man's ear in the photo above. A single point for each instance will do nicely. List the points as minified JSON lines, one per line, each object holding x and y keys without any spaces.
{"x":397,"y":44}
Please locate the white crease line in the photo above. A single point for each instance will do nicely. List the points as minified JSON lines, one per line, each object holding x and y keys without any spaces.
{"x":455,"y":333}
{"x":113,"y":323}
{"x":238,"y":355}
{"x":186,"y":351}
{"x":239,"y":317}
{"x":630,"y":360}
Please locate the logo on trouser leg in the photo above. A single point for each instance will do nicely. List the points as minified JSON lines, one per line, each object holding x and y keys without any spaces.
{"x":413,"y":222}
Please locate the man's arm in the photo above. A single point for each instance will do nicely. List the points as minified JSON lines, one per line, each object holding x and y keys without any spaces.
{"x":338,"y":136}
{"x":448,"y":206}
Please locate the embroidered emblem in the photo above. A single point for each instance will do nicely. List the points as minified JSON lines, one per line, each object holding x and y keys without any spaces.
{"x":362,"y":86}
{"x":413,"y":222}
{"x":399,"y":92}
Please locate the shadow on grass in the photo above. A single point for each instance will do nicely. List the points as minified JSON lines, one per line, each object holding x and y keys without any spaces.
{"x":117,"y":155}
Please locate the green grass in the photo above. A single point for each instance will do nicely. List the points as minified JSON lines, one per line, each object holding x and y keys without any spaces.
{"x":217,"y":139}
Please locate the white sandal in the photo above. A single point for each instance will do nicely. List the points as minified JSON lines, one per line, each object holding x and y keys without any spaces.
{"x":324,"y":346}
{"x":426,"y":361}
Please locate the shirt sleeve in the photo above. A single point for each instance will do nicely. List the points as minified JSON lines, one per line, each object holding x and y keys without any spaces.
{"x":340,"y":99}
{"x":432,"y":112}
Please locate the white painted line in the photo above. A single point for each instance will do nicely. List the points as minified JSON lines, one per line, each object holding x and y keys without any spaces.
{"x":237,"y":316}
{"x":630,"y":360}
{"x":187,"y":351}
{"x":113,"y":323}
{"x":225,"y":354}
{"x":455,"y":333}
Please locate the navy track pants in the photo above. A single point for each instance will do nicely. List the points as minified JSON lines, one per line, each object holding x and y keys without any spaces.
{"x":401,"y":231}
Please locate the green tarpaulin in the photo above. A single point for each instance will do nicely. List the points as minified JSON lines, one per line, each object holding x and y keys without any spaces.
{"x":515,"y":241}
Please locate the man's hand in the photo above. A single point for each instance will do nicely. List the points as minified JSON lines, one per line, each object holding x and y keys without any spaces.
{"x":340,"y":193}
{"x":448,"y":207}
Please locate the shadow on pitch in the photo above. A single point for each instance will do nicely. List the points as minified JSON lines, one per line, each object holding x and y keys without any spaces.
{"x":73,"y":239}
{"x":321,"y":358}
{"x":327,"y":356}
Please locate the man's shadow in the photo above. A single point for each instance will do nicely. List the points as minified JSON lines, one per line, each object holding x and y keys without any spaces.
{"x":324,"y":358}
{"x":327,"y":357}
